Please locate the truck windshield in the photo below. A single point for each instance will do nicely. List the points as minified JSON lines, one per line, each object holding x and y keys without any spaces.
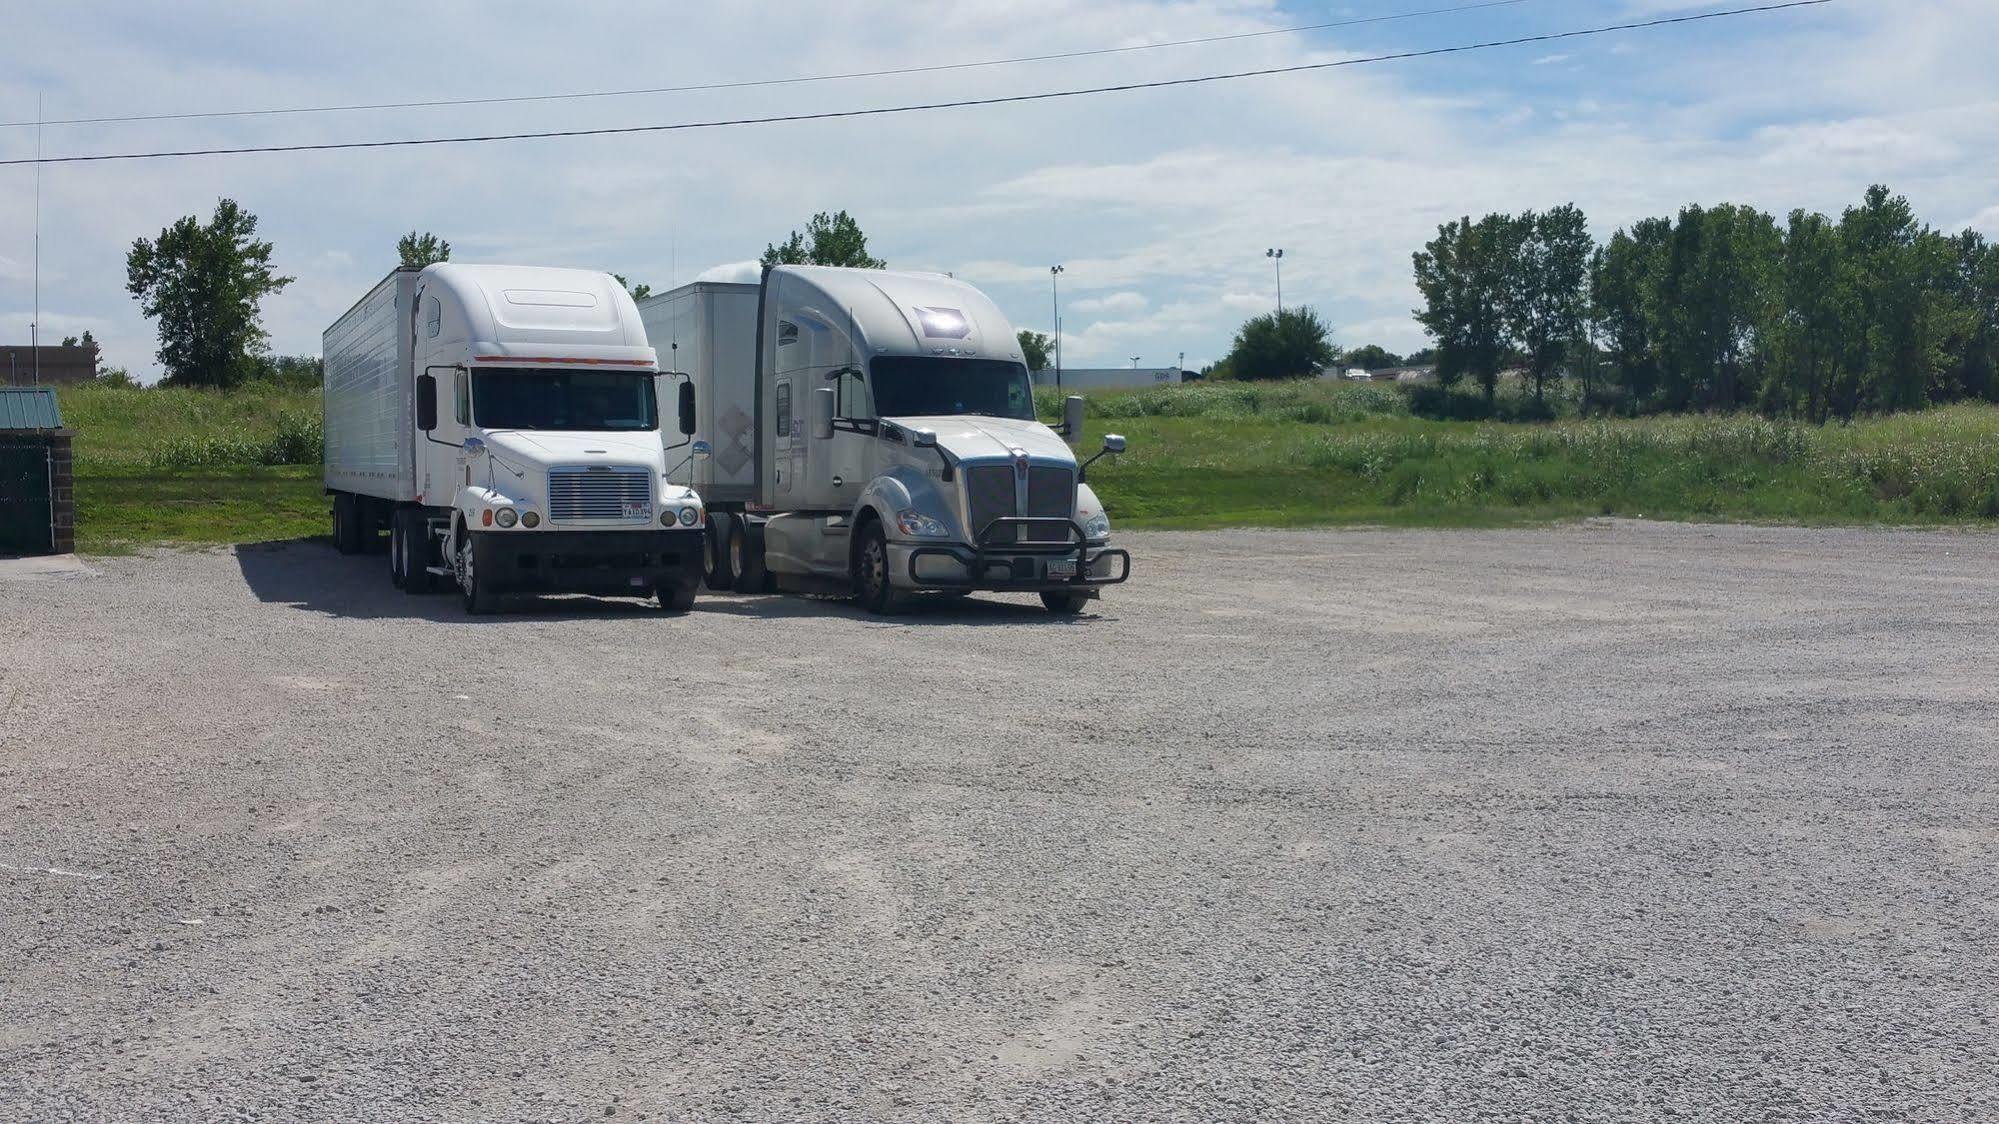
{"x":542,"y":398}
{"x":925,"y":386}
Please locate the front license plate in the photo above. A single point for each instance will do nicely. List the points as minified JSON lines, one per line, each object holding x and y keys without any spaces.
{"x":1061,"y":569}
{"x":638,"y":511}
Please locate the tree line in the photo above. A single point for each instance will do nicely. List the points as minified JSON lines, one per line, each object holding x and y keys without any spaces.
{"x":1719,"y":308}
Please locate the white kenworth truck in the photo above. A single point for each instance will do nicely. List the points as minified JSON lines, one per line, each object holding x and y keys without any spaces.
{"x":873,"y":432}
{"x":501,"y":423}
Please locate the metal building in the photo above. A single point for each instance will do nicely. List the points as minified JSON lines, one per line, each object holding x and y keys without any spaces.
{"x":37,"y":478}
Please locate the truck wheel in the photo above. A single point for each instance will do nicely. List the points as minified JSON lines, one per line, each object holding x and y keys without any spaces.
{"x":477,"y":589}
{"x":872,"y":587}
{"x":346,"y":523}
{"x":409,"y":542}
{"x":716,"y":552}
{"x":675,"y":598}
{"x":398,"y":555}
{"x":1064,"y":604}
{"x":752,"y":576}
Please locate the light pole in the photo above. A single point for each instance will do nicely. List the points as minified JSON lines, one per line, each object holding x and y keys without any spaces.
{"x":1055,"y":306}
{"x":1276,"y":257}
{"x":1134,"y":362}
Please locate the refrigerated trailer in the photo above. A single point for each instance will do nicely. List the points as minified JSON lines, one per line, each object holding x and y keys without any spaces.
{"x":502,"y":425}
{"x":873,"y":432}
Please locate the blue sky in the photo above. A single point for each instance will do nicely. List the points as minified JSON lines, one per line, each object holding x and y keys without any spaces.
{"x":1160,"y":204}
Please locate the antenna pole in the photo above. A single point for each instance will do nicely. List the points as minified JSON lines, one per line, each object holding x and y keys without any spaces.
{"x":35,"y":321}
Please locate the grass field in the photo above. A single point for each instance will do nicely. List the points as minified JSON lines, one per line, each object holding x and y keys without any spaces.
{"x":199,"y":467}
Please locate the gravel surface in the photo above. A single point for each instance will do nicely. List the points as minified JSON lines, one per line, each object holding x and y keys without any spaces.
{"x":1615,"y":821}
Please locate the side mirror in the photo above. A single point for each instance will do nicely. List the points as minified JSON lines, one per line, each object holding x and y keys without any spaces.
{"x":1072,"y":418}
{"x":1113,"y":443}
{"x":700,"y":451}
{"x":822,"y":416}
{"x":687,"y":408}
{"x":923,"y":438}
{"x":473,"y":446}
{"x":426,"y":402}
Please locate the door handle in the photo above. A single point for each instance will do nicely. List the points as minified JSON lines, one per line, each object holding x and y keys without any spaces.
{"x":839,"y":482}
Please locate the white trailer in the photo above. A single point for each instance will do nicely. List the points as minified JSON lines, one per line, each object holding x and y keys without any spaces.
{"x":501,"y":423}
{"x":873,"y":432}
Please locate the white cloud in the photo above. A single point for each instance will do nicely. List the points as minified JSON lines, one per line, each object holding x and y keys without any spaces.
{"x":733,"y":273}
{"x":1550,"y":60}
{"x":1123,"y":301}
{"x":1159,"y":204}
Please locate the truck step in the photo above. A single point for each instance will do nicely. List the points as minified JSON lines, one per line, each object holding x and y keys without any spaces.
{"x":440,"y":571}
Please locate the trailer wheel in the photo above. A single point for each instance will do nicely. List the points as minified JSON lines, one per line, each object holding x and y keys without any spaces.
{"x":477,"y":591}
{"x":718,"y":553}
{"x":1064,"y":604}
{"x":872,"y":587}
{"x":752,"y":576}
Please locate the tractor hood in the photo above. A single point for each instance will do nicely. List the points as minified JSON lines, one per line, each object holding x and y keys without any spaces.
{"x":982,"y":438}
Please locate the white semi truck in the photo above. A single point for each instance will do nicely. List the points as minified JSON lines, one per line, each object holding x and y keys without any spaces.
{"x":501,"y":423}
{"x":873,"y":432}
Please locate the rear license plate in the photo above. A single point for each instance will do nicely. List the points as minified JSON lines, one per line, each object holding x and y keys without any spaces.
{"x":1061,"y":569}
{"x":638,"y":511}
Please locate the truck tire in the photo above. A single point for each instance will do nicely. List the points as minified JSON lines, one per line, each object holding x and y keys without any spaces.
{"x":476,"y":588}
{"x":721,"y":568}
{"x":676,"y":598}
{"x":1064,"y":604}
{"x":409,"y":547}
{"x":872,"y":588}
{"x":346,"y":523}
{"x":752,"y":576}
{"x":398,"y":555}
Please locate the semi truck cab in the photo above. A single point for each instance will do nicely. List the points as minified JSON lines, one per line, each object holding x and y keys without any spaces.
{"x":894,"y":442}
{"x":504,"y":423}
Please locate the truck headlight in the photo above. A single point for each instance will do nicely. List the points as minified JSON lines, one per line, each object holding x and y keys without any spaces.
{"x":918,"y":525}
{"x":689,"y":516}
{"x":506,"y":517}
{"x":530,"y":519}
{"x":1097,"y":526}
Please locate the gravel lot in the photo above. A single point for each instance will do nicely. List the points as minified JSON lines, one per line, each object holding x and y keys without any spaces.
{"x":1616,"y":821}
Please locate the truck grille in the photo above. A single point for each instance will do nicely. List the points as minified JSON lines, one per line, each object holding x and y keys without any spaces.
{"x":1051,"y":493}
{"x":599,"y":494}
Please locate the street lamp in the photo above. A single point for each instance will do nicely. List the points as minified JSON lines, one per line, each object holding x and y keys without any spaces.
{"x":1134,"y":362}
{"x":1277,"y":259}
{"x":1055,"y":306}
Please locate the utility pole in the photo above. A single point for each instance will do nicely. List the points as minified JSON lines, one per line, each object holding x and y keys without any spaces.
{"x":1055,"y":307}
{"x":1276,"y":257}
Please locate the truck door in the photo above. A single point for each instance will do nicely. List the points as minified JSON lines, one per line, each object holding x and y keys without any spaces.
{"x":847,"y":453}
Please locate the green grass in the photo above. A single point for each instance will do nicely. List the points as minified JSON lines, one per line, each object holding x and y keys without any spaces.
{"x":199,"y":467}
{"x":194,"y":466}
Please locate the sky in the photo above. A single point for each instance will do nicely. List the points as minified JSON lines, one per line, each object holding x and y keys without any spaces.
{"x":1159,"y":204}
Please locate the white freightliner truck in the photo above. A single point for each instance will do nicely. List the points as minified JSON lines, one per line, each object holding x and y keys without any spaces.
{"x":873,"y":432}
{"x":502,"y":424}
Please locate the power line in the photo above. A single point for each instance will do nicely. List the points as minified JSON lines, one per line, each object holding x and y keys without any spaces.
{"x":964,"y":103}
{"x":747,"y":83}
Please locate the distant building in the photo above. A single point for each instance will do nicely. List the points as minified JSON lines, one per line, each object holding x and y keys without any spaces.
{"x":1406,"y":374}
{"x":60,"y":365}
{"x":1110,"y":378}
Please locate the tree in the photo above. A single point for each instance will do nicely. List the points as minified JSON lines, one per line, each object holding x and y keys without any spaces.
{"x":1290,"y":344}
{"x":203,"y":283}
{"x":834,"y":239}
{"x":1372,"y":357}
{"x":1545,"y":299}
{"x":639,"y":291}
{"x":1463,"y":275}
{"x":418,"y":250}
{"x":1036,"y":348}
{"x":85,"y":341}
{"x":1622,"y":275}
